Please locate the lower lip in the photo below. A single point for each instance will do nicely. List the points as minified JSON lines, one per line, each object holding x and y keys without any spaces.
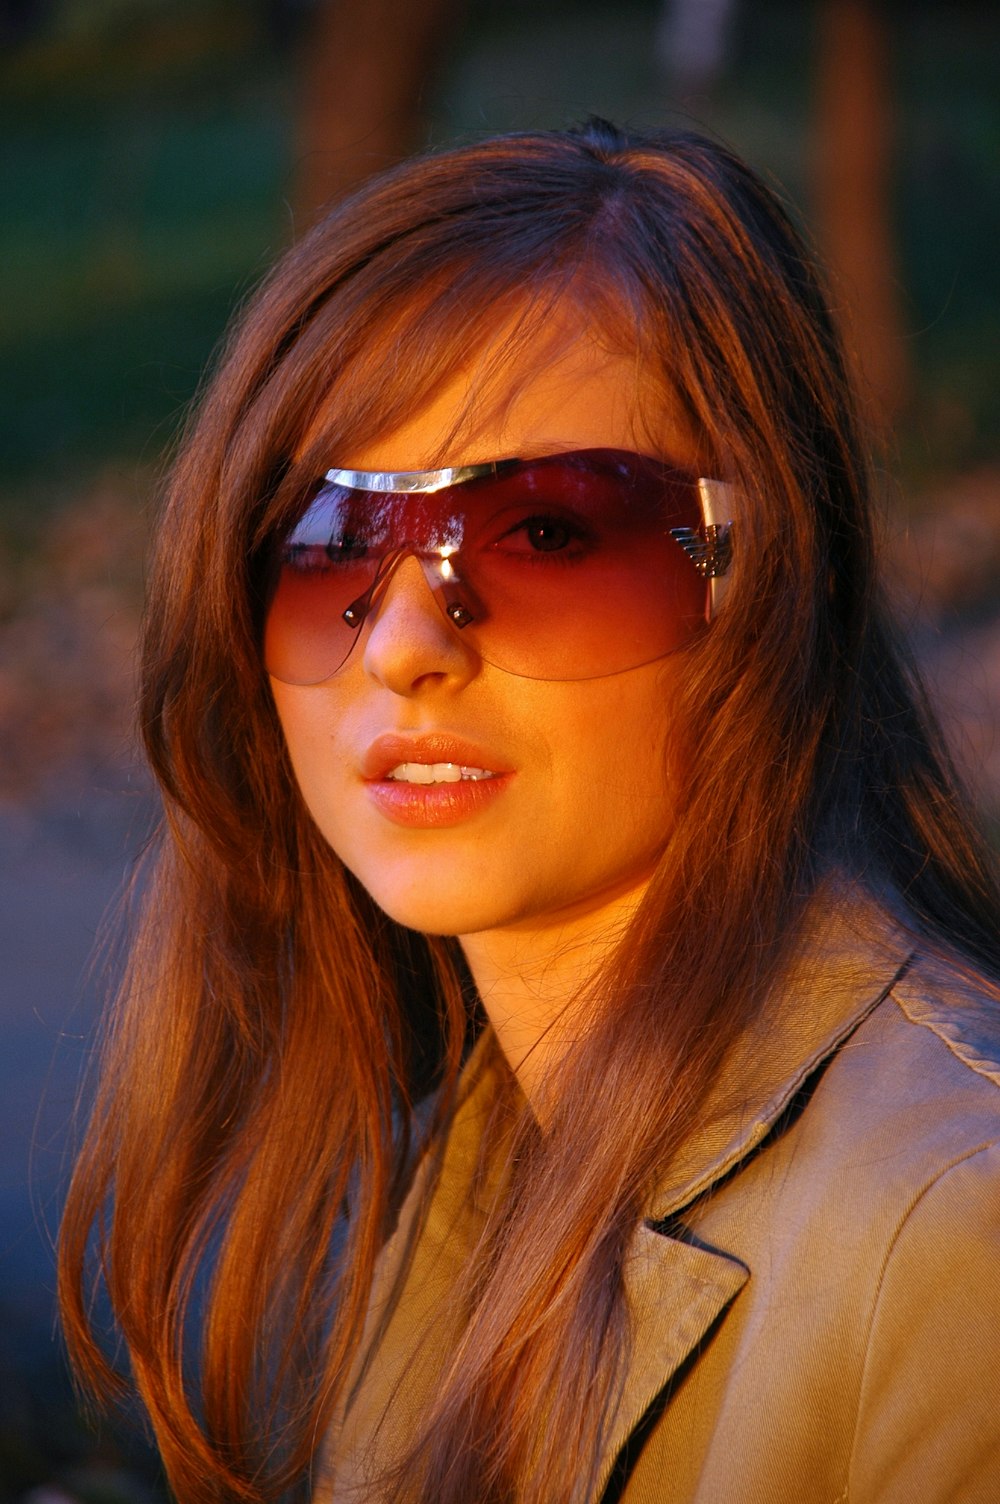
{"x":429,"y":805}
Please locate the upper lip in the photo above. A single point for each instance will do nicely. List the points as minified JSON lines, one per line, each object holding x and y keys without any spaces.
{"x":387,"y":752}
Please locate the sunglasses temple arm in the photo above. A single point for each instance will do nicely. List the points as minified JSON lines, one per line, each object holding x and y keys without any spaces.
{"x":717,"y":510}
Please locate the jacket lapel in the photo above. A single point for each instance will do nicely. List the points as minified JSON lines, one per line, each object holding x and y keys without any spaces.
{"x":675,"y":1288}
{"x":675,"y":1292}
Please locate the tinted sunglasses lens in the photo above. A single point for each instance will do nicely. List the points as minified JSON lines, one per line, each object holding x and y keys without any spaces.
{"x":558,"y":568}
{"x":575,"y":562}
{"x":329,"y":560}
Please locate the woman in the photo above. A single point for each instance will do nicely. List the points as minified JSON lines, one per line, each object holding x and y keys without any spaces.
{"x":674,"y":1175}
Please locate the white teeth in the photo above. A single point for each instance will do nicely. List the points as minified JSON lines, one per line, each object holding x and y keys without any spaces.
{"x":435,"y":772}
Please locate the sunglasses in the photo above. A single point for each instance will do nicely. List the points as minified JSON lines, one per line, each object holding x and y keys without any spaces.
{"x":570,"y":566}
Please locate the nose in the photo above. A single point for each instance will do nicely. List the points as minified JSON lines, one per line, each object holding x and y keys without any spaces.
{"x":409,"y":644}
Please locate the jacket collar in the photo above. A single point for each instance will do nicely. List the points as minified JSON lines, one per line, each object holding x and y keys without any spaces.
{"x":677,"y":1290}
{"x":851,"y":953}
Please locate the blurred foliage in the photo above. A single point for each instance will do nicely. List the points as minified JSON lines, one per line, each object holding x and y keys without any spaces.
{"x":146,"y":151}
{"x":69,"y":615}
{"x":137,"y":213}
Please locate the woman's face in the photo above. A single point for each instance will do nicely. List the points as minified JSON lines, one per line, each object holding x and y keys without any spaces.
{"x":580,"y":803}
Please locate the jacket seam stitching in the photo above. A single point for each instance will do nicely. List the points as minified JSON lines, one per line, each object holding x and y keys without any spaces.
{"x":898,"y":996}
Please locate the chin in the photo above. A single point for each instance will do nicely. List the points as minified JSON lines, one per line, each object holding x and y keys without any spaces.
{"x":436,"y":918}
{"x":435,"y":908}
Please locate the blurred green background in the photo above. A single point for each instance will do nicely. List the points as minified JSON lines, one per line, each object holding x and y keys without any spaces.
{"x":158,"y":154}
{"x":148,"y":155}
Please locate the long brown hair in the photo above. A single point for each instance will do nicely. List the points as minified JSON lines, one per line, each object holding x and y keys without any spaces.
{"x":250,"y":1137}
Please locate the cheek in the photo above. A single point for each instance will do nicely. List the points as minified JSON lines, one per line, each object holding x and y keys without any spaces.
{"x":297,"y":725}
{"x":308,"y":724}
{"x":618,"y":740}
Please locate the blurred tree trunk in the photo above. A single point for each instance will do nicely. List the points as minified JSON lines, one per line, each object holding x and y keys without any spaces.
{"x":366,"y":66}
{"x":853,"y":177}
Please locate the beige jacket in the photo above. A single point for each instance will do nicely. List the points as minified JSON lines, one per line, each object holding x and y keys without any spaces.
{"x":816,"y":1292}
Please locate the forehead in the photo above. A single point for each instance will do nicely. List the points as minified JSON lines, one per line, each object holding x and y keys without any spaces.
{"x":536,"y":387}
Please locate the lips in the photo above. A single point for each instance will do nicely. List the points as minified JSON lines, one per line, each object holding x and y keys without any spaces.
{"x":433,"y":780}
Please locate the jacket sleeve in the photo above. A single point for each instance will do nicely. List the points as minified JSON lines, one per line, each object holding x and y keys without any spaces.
{"x":929,"y":1413}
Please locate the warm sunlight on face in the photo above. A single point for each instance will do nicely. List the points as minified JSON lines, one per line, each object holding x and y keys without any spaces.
{"x":571,"y":824}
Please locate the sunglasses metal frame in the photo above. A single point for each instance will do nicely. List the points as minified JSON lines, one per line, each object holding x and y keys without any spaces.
{"x":708,"y":545}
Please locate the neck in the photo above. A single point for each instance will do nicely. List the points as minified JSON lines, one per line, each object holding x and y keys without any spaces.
{"x":534,"y":979}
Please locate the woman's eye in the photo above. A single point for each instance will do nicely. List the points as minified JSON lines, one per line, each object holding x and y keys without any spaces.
{"x":544,"y":535}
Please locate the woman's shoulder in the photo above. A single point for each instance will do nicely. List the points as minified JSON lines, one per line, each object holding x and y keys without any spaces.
{"x":855,"y":1128}
{"x":896,"y":1146}
{"x":915,"y":1088}
{"x":869,"y":1040}
{"x":851,"y":1191}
